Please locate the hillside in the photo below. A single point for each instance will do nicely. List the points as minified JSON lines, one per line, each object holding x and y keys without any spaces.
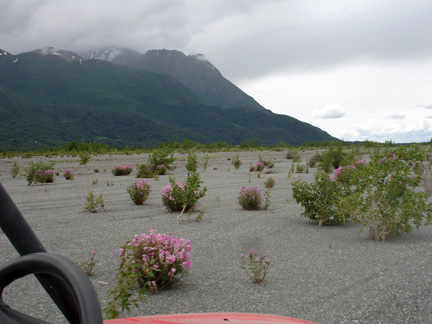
{"x":48,"y":100}
{"x":195,"y":72}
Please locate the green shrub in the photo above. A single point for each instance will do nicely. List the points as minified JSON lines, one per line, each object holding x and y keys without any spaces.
{"x":192,"y":163}
{"x":84,"y":158}
{"x":145,"y":170}
{"x":320,"y":198}
{"x":161,"y":159}
{"x":332,"y":159}
{"x":384,"y":198}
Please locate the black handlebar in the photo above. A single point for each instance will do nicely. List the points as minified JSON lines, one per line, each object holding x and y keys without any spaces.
{"x":59,"y":283}
{"x":49,"y":265}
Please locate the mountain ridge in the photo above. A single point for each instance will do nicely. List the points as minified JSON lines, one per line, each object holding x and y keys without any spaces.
{"x":49,"y":98}
{"x":193,"y":70}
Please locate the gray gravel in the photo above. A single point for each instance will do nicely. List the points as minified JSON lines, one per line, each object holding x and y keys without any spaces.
{"x":326,"y":275}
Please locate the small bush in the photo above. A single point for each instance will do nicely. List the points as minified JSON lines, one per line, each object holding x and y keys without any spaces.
{"x":139,"y":191}
{"x":294,"y":155}
{"x":256,"y":267}
{"x":183,"y":197}
{"x":333,"y":159}
{"x":206,"y":160}
{"x":162,"y":169}
{"x":312,"y":162}
{"x":15,"y":169}
{"x":34,"y":167}
{"x":161,"y":159}
{"x":250,"y":198}
{"x":269,"y":182}
{"x":259,"y":166}
{"x":46,"y":176}
{"x":268,"y":163}
{"x":147,"y":263}
{"x":145,"y":170}
{"x":88,"y":265}
{"x":68,"y":174}
{"x":121,"y":170}
{"x":94,"y":204}
{"x":300,"y":168}
{"x":320,"y":198}
{"x":237,"y":162}
{"x":84,"y":158}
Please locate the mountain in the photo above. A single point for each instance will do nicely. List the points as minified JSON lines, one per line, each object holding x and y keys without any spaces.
{"x":195,"y":72}
{"x":50,"y":97}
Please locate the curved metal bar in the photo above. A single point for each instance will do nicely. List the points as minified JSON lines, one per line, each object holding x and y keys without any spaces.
{"x":25,"y":241}
{"x":51,"y":265}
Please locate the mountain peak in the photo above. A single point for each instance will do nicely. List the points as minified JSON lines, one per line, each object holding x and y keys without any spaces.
{"x":4,"y":55}
{"x":66,"y":55}
{"x":113,"y":54}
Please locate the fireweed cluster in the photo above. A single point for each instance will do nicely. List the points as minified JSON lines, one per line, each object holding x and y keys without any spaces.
{"x":183,"y":197}
{"x":236,"y":162}
{"x":261,"y":165}
{"x":147,"y":263}
{"x":68,"y":174}
{"x":139,"y":191}
{"x":379,"y":195}
{"x":251,"y":198}
{"x":42,"y":176}
{"x":121,"y":170}
{"x":88,"y":265}
{"x":37,"y":172}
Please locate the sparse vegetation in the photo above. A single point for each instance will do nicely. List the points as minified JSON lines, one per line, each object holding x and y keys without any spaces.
{"x":15,"y":169}
{"x":94,"y":204}
{"x":269,"y":182}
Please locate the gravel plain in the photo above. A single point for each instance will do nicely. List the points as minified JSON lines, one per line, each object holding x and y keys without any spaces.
{"x":329,"y":274}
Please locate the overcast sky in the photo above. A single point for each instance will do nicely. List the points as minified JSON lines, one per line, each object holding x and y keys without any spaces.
{"x":358,"y":69}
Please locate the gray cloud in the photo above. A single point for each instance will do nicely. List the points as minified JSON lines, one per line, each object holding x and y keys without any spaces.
{"x":425,"y":105}
{"x":397,"y":116}
{"x":245,"y":38}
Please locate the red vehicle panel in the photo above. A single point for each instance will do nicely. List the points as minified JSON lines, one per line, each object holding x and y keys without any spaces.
{"x":209,"y":318}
